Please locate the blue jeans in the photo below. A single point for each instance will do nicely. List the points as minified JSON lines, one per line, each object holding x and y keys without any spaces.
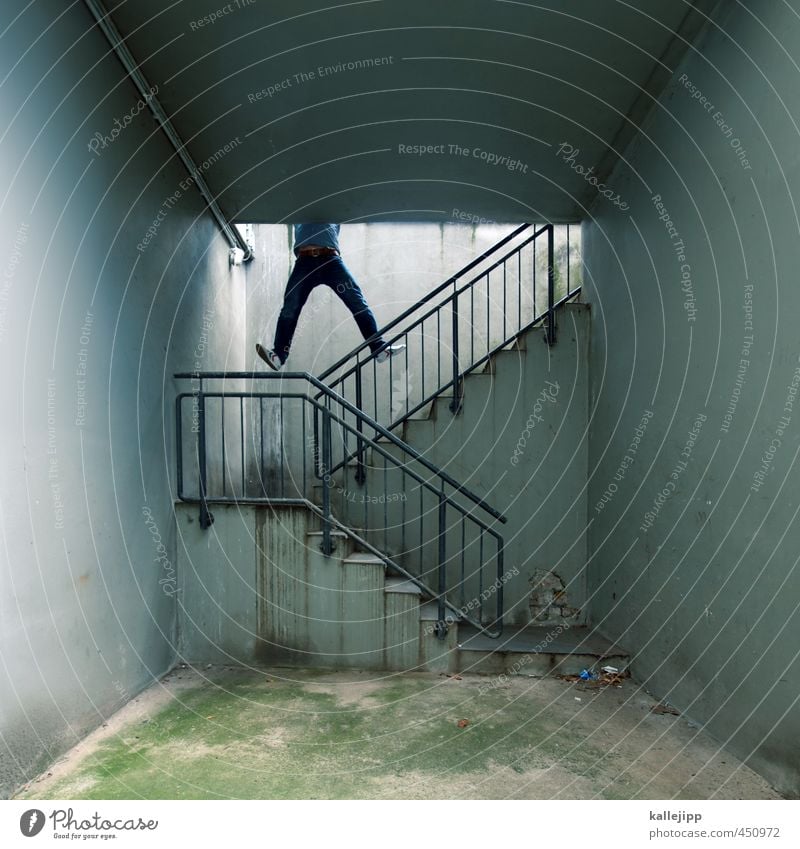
{"x":308,"y":273}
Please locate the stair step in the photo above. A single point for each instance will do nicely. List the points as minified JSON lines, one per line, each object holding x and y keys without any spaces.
{"x":429,"y":612}
{"x":334,"y":534}
{"x":575,"y":640}
{"x":341,"y":541}
{"x":534,"y":639}
{"x":519,"y":343}
{"x":525,"y":651}
{"x":511,"y":356}
{"x":363,"y":557}
{"x":422,"y":413}
{"x":475,"y":384}
{"x":401,"y":585}
{"x":419,"y":432}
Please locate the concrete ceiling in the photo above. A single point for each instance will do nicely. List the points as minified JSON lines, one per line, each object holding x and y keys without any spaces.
{"x":492,"y":77}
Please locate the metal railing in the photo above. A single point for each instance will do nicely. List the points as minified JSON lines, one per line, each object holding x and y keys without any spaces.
{"x":294,"y":444}
{"x":459,"y":326}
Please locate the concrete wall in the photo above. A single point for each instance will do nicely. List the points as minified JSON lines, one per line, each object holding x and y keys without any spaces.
{"x":695,"y":429}
{"x":91,"y":329}
{"x":255,"y":588}
{"x":218,"y":598}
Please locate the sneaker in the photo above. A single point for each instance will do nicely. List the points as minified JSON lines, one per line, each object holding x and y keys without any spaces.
{"x":389,"y":351}
{"x":269,"y":357}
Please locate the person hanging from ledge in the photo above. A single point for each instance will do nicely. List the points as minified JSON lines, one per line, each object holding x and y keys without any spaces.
{"x":319,"y":262}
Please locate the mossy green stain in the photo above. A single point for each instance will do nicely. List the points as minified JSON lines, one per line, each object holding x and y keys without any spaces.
{"x":326,"y":750}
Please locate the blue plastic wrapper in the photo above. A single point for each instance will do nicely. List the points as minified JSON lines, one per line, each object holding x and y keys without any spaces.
{"x":586,"y":675}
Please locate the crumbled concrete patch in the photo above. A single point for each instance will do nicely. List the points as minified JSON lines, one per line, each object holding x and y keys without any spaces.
{"x":548,"y":601}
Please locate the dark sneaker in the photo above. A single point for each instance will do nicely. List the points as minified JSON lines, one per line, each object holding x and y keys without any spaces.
{"x":269,"y":357}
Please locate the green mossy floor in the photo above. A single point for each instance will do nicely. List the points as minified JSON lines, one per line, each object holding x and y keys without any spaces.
{"x":286,"y":734}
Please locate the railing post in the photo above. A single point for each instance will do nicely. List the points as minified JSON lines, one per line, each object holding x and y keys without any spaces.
{"x":317,"y":454}
{"x":551,"y":286}
{"x":206,"y":517}
{"x":179,"y":446}
{"x":441,"y":620}
{"x":500,"y":579}
{"x":455,"y":405}
{"x":327,"y":545}
{"x":360,"y":474}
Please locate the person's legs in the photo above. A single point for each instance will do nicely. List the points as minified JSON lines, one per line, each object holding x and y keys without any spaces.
{"x":341,"y":281}
{"x":298,"y":288}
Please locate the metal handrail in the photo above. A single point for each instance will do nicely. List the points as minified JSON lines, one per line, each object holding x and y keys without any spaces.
{"x":440,"y":598}
{"x":361,"y":416}
{"x":463,"y":357}
{"x":323,"y":443}
{"x":450,"y":280}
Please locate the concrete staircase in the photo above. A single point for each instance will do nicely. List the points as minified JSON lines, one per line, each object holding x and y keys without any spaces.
{"x":519,"y":441}
{"x":286,"y":603}
{"x":357,"y":614}
{"x":521,"y":423}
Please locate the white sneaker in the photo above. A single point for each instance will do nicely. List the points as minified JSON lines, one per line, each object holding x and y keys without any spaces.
{"x":269,"y":357}
{"x":390,"y":351}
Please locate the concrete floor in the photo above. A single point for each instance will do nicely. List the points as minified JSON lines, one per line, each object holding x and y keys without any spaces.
{"x":278,"y":733}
